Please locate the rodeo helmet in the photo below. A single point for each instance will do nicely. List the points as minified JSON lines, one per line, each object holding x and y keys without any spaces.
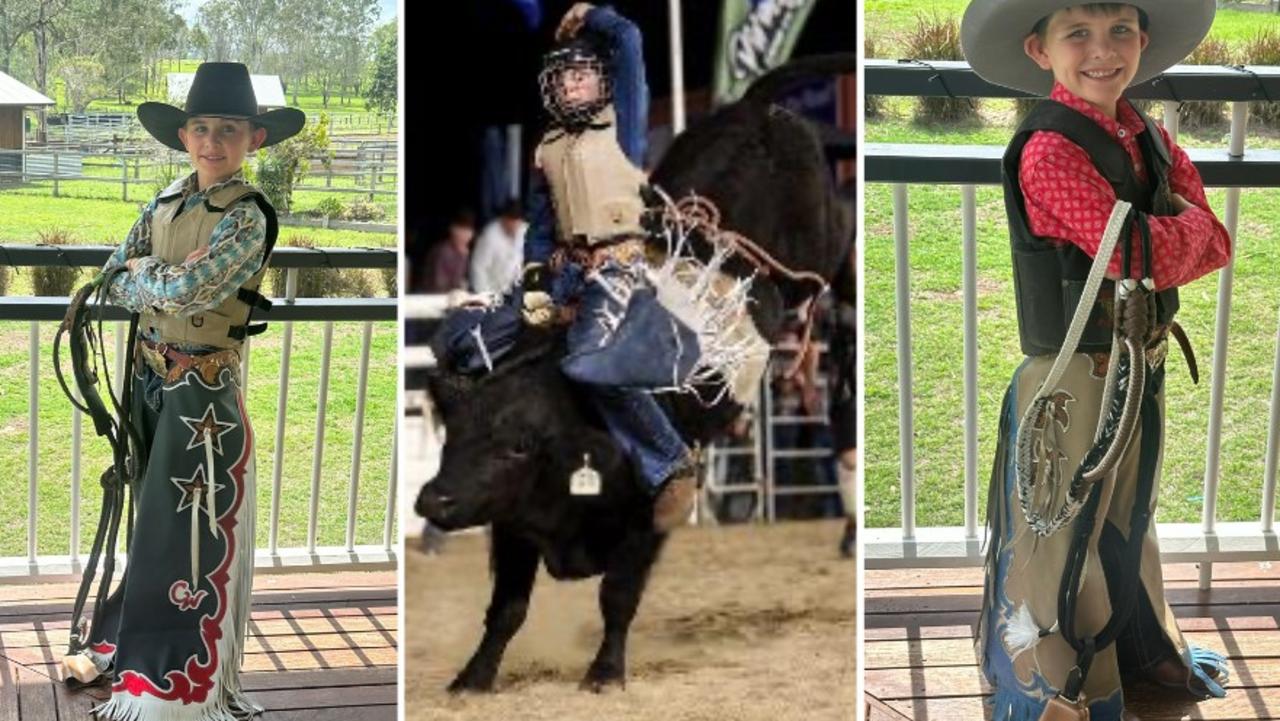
{"x":578,"y":53}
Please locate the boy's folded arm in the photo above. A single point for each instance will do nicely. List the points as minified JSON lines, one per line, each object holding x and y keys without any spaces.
{"x":1072,"y":201}
{"x":204,"y":279}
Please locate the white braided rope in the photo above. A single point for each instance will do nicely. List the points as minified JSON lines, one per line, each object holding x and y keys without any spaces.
{"x":1026,"y":425}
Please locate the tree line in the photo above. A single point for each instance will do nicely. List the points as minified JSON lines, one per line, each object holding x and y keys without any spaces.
{"x":117,"y":49}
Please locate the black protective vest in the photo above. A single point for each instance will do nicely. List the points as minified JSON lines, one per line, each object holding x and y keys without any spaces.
{"x":1049,"y":277}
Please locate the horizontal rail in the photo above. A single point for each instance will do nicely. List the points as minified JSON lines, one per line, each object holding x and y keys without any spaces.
{"x":39,"y":308}
{"x":947,"y":547}
{"x":980,"y":165}
{"x":952,"y":78}
{"x":281,"y":257}
{"x":59,"y":568}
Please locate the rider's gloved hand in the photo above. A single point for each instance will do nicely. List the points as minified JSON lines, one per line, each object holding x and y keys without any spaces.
{"x":538,"y":308}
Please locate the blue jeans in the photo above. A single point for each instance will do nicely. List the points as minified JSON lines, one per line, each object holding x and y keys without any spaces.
{"x":635,"y":419}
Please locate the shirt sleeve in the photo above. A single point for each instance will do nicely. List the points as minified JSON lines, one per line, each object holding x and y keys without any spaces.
{"x":206,"y":278}
{"x":1067,"y":198}
{"x":626,"y":72}
{"x":138,"y":242}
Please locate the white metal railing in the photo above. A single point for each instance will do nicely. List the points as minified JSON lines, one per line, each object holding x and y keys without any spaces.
{"x":1206,"y":542}
{"x":38,"y":566}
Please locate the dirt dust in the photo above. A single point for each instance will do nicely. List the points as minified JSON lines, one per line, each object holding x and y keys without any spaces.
{"x":740,"y":623}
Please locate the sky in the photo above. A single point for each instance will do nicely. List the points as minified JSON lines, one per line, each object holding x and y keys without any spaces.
{"x":386,"y":10}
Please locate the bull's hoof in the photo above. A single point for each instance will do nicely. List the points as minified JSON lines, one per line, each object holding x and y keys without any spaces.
{"x":471,"y":683}
{"x":601,"y":678}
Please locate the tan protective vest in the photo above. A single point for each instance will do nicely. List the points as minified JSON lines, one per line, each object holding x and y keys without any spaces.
{"x":594,"y":187}
{"x":172,"y":240}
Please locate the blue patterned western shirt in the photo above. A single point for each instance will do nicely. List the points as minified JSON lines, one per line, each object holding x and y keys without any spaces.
{"x":183,"y":289}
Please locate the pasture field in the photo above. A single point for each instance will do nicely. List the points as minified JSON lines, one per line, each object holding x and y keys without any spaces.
{"x":750,"y":623}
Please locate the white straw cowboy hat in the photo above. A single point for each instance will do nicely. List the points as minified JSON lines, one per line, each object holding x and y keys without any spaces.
{"x":992,"y":33}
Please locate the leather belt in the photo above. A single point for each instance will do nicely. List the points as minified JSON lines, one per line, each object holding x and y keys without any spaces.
{"x":626,"y":250}
{"x":170,"y":363}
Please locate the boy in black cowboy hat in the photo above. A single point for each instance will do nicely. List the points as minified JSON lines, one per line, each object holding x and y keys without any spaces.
{"x":170,"y":639}
{"x":1107,"y":217}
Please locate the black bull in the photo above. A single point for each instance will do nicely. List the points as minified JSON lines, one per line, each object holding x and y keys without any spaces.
{"x":515,"y":436}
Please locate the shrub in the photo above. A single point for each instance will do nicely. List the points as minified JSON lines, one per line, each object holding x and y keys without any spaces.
{"x":363,"y":210}
{"x":322,"y":282}
{"x":1264,"y":49}
{"x":1205,"y":113}
{"x":874,"y":107}
{"x":329,"y":207}
{"x":389,"y":281}
{"x":167,"y":171}
{"x":938,"y":38}
{"x":285,"y":164}
{"x":54,"y":280}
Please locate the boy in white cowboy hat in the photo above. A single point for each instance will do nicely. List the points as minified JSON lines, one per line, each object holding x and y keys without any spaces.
{"x":1107,"y":217}
{"x":170,"y":639}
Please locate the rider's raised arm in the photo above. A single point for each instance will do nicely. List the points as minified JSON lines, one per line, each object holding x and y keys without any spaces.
{"x":626,"y":72}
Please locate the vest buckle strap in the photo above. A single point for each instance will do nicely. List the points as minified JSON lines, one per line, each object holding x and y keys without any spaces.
{"x":253,"y":298}
{"x":240,"y":332}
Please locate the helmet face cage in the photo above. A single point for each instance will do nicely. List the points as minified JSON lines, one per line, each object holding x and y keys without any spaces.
{"x":550,"y":83}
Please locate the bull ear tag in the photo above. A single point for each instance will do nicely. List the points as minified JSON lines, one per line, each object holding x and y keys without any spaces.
{"x":586,"y":480}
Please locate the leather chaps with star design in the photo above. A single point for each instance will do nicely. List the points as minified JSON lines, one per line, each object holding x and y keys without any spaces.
{"x":169,"y":638}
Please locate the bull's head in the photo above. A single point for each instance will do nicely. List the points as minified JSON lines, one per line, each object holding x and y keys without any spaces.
{"x":512,"y":441}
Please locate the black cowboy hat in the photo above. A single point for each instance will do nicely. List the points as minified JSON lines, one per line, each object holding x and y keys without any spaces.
{"x":221,"y":90}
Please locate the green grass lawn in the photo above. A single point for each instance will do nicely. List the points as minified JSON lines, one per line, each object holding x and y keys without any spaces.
{"x":888,"y":21}
{"x":97,"y":221}
{"x":937,"y":320}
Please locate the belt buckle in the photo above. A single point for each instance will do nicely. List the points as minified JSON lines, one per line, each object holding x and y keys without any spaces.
{"x":155,"y":358}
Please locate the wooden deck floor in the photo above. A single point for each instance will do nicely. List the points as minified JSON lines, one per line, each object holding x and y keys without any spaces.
{"x":920,"y":626}
{"x":322,"y":647}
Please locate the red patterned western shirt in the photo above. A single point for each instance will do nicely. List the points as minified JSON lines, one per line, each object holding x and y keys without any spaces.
{"x":1068,"y":200}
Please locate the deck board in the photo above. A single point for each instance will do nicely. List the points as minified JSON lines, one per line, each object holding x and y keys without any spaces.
{"x":921,"y":625}
{"x":320,"y":647}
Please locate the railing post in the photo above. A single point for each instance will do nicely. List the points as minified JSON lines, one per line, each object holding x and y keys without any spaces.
{"x":317,"y":460}
{"x":1273,"y":448}
{"x":388,"y":522}
{"x":906,"y":386}
{"x":969,"y":251}
{"x":282,"y":405}
{"x":1212,"y":469}
{"x":770,"y":459}
{"x":124,"y":178}
{"x":33,"y":440}
{"x":76,"y":435}
{"x":362,"y":385}
{"x":1172,"y":122}
{"x":244,"y":369}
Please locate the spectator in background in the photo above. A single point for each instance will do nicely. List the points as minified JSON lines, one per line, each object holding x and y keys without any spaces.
{"x":447,"y":260}
{"x":499,"y":252}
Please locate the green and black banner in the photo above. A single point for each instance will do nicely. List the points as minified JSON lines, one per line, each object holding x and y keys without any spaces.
{"x":755,"y":37}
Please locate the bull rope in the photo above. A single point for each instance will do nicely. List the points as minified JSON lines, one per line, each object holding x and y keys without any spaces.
{"x":698,"y":213}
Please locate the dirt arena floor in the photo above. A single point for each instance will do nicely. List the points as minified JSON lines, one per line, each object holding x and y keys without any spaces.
{"x":740,"y":623}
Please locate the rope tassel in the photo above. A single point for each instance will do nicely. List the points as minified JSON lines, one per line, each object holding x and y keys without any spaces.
{"x":195,"y":538}
{"x":210,"y":496}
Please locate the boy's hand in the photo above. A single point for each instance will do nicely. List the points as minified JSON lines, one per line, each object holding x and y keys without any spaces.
{"x":1180,"y":203}
{"x":573,"y":21}
{"x":132,"y":264}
